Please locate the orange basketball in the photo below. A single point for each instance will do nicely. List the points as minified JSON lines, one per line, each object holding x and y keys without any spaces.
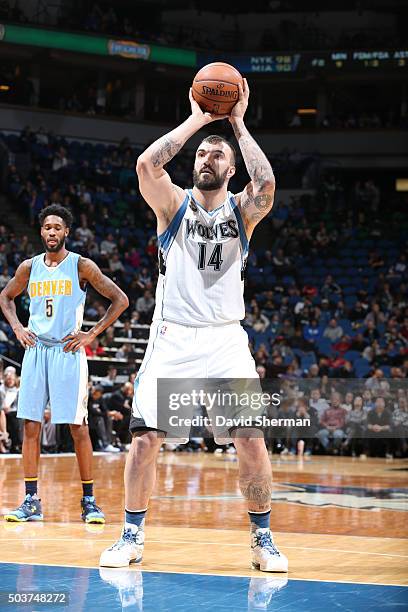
{"x":215,"y":88}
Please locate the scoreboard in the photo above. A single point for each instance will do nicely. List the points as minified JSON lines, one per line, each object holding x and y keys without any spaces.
{"x":324,"y":61}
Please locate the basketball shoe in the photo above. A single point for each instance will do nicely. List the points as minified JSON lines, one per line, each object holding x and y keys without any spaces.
{"x":129,"y":584}
{"x":91,"y":513}
{"x":30,"y":510}
{"x":128,"y":549}
{"x":265,"y":554}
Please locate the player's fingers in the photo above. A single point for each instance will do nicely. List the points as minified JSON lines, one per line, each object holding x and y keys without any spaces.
{"x":28,"y":340}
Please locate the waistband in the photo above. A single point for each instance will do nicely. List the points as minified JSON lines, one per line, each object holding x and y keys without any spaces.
{"x":212,"y":326}
{"x":49,"y":342}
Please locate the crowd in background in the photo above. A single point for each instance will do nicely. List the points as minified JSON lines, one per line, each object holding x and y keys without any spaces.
{"x":326,"y":294}
{"x":287,"y":34}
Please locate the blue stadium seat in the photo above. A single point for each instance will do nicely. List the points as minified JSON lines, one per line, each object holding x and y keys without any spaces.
{"x":307,"y":360}
{"x":324,"y":346}
{"x":361,"y":367}
{"x":352,"y":355}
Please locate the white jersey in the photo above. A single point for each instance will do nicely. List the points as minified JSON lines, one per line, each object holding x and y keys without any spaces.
{"x":202,"y":258}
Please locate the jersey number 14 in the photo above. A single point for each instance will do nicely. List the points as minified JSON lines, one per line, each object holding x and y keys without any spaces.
{"x":215,"y":258}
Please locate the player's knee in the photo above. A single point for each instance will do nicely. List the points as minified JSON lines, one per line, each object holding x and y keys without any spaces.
{"x":32,"y":430}
{"x":146,"y":446}
{"x":250,"y":447}
{"x":79,"y":432}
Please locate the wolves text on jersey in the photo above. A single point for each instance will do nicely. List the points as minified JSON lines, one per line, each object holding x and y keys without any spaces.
{"x":226,"y":229}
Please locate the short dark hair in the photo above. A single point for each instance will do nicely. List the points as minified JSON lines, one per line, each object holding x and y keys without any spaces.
{"x":58,"y":211}
{"x":215,"y":139}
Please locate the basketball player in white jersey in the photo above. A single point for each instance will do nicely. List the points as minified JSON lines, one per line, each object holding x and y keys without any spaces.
{"x":203,"y":236}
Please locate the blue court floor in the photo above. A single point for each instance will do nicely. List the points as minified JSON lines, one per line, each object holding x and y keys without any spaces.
{"x":133,"y":590}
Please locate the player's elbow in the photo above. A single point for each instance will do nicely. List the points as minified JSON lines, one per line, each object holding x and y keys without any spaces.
{"x":3,"y":299}
{"x":268,"y":185}
{"x":143,"y":165}
{"x":123,"y":301}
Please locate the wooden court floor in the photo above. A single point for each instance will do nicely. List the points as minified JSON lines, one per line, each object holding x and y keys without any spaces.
{"x":337,"y":519}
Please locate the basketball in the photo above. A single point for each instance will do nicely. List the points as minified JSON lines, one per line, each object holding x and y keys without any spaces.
{"x":215,"y":88}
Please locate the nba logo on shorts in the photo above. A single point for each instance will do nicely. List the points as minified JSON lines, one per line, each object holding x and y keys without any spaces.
{"x":163,"y":329}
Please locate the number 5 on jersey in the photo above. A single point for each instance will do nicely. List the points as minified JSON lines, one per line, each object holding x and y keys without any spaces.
{"x":215,"y":257}
{"x":49,"y":307}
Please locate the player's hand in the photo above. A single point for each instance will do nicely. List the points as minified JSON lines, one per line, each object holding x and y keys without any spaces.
{"x":25,"y":337}
{"x":200,"y":115}
{"x":77,"y":341}
{"x":238,"y":111}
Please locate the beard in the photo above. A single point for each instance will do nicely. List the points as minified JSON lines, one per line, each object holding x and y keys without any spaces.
{"x":210,"y":182}
{"x":57,"y":247}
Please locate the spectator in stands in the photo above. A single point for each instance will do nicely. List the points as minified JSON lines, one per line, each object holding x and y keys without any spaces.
{"x":100,"y":422}
{"x":318,"y":403}
{"x":109,"y":381}
{"x":126,"y":331}
{"x":375,"y":315}
{"x":400,"y":426}
{"x":333,"y":331}
{"x":356,"y":420}
{"x":379,"y":425}
{"x":284,"y":432}
{"x":377,"y":383}
{"x":333,"y":424}
{"x":4,"y":437}
{"x":119,"y":407}
{"x":330,"y":287}
{"x":108,"y":338}
{"x":124,"y":352}
{"x":303,"y":436}
{"x":371,"y":333}
{"x":358,"y":313}
{"x":4,"y":277}
{"x":10,"y":391}
{"x":108,"y":245}
{"x":116,"y":267}
{"x":282,"y":264}
{"x":144,"y":306}
{"x":312,"y":331}
{"x":49,"y":436}
{"x":348,"y":402}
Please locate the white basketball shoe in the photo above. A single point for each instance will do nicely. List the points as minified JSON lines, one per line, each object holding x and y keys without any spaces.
{"x":128,"y":549}
{"x":265,"y":554}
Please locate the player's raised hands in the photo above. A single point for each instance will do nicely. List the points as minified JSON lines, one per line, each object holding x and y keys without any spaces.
{"x":203,"y":117}
{"x":238,"y":111}
{"x":25,"y":336}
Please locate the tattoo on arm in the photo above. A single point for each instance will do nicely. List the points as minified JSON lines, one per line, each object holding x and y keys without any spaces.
{"x":90,"y":273}
{"x":166,"y":149}
{"x":258,"y":195}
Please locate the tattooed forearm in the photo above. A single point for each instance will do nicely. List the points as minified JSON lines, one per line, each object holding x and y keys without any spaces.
{"x":257,"y":491}
{"x":90,"y":273}
{"x":257,"y":164}
{"x":165,"y":149}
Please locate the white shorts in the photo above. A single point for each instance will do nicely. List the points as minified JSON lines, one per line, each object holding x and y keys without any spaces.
{"x":181,"y":351}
